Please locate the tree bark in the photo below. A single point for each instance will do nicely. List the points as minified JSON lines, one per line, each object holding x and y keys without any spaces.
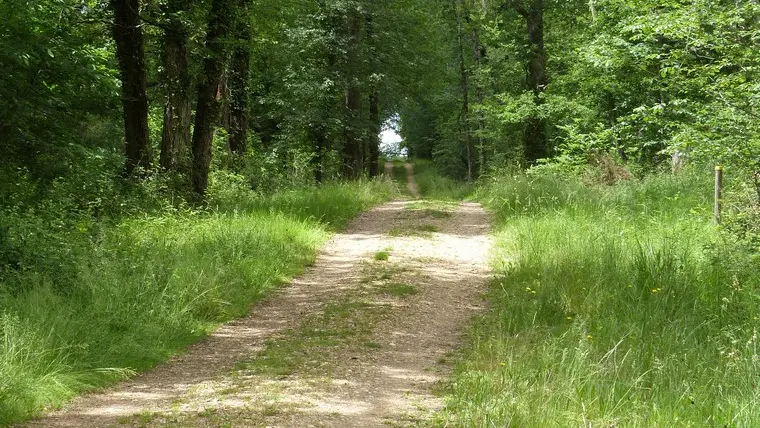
{"x":373,"y":138}
{"x":353,"y":156}
{"x":238,"y":83}
{"x":374,"y":134}
{"x":535,"y":131}
{"x":175,"y":137}
{"x":465,"y":91}
{"x":209,"y":96}
{"x":478,"y":53}
{"x":130,"y":52}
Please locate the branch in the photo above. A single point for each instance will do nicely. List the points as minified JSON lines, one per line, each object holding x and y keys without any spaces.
{"x":156,"y":24}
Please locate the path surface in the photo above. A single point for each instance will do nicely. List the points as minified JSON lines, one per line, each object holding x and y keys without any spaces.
{"x":411,"y":182}
{"x":366,"y":340}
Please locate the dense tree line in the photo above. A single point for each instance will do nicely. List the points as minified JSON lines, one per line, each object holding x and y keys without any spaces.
{"x":163,"y":162}
{"x":285,"y":81}
{"x":638,"y":81}
{"x":304,"y":86}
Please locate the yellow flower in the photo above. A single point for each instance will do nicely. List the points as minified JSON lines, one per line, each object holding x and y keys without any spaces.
{"x":590,"y":337}
{"x":656,"y":290}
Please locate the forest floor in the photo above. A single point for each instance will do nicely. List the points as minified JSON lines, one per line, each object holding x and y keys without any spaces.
{"x":364,"y":338}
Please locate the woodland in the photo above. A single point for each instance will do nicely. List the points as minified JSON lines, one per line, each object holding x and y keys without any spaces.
{"x":166,"y":163}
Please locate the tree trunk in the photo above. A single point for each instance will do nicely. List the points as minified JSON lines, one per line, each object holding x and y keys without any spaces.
{"x":374,"y":108}
{"x":175,"y":138}
{"x":127,"y":34}
{"x":238,"y":83}
{"x":318,"y":130}
{"x":535,"y":131}
{"x":318,"y":136}
{"x":209,"y":96}
{"x":374,"y":134}
{"x":353,"y":156}
{"x":465,"y":91}
{"x":478,"y":53}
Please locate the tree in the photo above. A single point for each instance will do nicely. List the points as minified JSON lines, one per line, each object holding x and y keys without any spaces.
{"x":175,"y":138}
{"x":465,"y":87}
{"x":478,"y":57}
{"x":536,"y":146}
{"x":209,"y":91}
{"x":353,"y":153}
{"x":239,"y":81}
{"x":375,"y":124}
{"x":127,"y":33}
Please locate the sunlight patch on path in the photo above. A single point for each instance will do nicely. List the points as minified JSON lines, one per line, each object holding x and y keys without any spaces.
{"x":389,"y":376}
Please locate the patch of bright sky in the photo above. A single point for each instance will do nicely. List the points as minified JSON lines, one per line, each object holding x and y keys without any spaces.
{"x":390,"y":138}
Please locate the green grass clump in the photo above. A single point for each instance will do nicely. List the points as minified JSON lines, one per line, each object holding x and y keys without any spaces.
{"x":400,"y":175}
{"x":421,"y":231}
{"x":332,"y":204}
{"x":436,"y":209}
{"x":429,"y":228}
{"x":398,"y":289}
{"x":616,"y":306}
{"x":134,"y":292}
{"x":382,"y":256}
{"x":341,"y":322}
{"x":433,"y":185}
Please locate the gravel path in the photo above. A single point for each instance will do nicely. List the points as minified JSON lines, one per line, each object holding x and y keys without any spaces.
{"x":384,"y":376}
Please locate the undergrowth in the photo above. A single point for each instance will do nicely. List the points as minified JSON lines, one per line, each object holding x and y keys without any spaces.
{"x":433,"y":185}
{"x":614,"y":305}
{"x":84,"y":303}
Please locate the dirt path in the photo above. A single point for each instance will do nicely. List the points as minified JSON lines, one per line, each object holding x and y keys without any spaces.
{"x":361,"y":339}
{"x":411,"y":182}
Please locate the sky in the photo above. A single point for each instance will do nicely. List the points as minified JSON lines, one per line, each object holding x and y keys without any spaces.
{"x":390,"y":137}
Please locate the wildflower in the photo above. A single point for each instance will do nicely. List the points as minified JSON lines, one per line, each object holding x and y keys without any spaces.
{"x":569,"y":318}
{"x":590,"y":337}
{"x":656,"y":290}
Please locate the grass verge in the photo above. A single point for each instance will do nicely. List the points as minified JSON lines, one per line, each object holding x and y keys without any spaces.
{"x":145,"y":288}
{"x":615,"y":306}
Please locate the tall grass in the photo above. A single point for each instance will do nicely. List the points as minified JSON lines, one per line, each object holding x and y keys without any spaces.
{"x":613,"y":306}
{"x":433,"y":185}
{"x":144,"y":288}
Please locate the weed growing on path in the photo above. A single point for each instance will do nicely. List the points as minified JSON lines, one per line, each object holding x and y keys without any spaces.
{"x":340,"y":322}
{"x":421,"y":231}
{"x":398,"y":289}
